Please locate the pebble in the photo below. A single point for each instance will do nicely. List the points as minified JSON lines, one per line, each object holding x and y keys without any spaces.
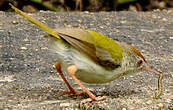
{"x":14,"y":22}
{"x":123,"y":22}
{"x":170,"y":37}
{"x":44,"y":48}
{"x":102,"y":27}
{"x":9,"y":78}
{"x":26,"y":39}
{"x":64,"y":104}
{"x":168,"y":100}
{"x":38,"y":69}
{"x":124,"y":109}
{"x":131,"y":108}
{"x":149,"y":102}
{"x":164,"y":19}
{"x":23,"y":48}
{"x":160,"y":105}
{"x":86,"y":12}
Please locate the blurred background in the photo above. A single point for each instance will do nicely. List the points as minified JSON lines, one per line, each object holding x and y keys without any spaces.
{"x":87,"y":5}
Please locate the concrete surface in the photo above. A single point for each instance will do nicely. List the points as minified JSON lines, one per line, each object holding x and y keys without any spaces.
{"x":28,"y":79}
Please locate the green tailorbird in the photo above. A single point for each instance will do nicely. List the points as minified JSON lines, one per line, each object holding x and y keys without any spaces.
{"x":92,"y":57}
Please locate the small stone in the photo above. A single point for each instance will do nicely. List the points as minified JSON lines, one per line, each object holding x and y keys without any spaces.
{"x":86,"y":12}
{"x":23,"y":48}
{"x":160,"y":105}
{"x":168,"y":100}
{"x":149,"y":102}
{"x":158,"y":16}
{"x":124,"y":109}
{"x":131,"y":108}
{"x":11,"y":58}
{"x":102,"y":27}
{"x":44,"y":48}
{"x":164,"y":19}
{"x":14,"y":22}
{"x":123,"y":22}
{"x":79,"y":20}
{"x":38,"y":69}
{"x":131,"y":76}
{"x":7,"y":78}
{"x":117,"y":84}
{"x":53,"y":66}
{"x":64,"y":104}
{"x":171,"y":37}
{"x":169,"y":11}
{"x":26,"y":39}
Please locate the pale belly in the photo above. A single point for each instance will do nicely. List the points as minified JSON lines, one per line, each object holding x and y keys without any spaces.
{"x":92,"y":77}
{"x":90,"y":72}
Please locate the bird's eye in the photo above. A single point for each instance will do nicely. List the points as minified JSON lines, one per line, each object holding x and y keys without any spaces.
{"x":139,"y":62}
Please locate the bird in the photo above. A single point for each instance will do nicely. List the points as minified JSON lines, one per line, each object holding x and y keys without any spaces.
{"x":91,"y":57}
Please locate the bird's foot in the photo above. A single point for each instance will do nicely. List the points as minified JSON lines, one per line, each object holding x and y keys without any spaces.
{"x":99,"y":98}
{"x":71,"y":71}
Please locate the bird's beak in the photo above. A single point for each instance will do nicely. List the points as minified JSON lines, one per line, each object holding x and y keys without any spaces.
{"x":150,"y":69}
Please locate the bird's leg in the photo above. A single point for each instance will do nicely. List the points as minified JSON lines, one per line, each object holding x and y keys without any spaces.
{"x":71,"y":71}
{"x":72,"y":91}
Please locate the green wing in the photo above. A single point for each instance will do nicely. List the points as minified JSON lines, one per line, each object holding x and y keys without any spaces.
{"x":107,"y":48}
{"x":101,"y":49}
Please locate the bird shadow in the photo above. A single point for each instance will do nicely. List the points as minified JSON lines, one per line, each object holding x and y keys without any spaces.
{"x":115,"y":93}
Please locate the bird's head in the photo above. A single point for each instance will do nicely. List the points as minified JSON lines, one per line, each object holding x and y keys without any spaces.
{"x":134,"y":61}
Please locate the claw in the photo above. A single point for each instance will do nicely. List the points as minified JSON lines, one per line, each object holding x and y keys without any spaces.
{"x":99,"y":98}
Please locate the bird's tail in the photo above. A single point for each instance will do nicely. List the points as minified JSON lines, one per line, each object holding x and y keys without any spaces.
{"x":36,"y":22}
